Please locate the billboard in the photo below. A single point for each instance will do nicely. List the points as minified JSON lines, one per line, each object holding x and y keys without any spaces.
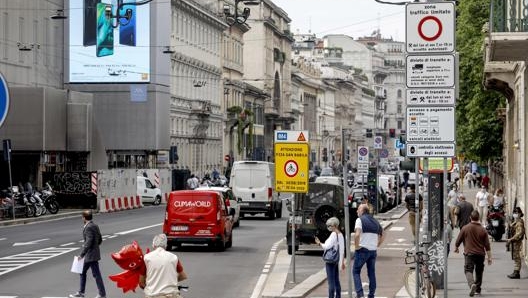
{"x":107,"y":49}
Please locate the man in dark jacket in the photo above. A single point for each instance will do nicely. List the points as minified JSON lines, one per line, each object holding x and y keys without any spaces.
{"x":463,"y":211}
{"x":91,"y":254}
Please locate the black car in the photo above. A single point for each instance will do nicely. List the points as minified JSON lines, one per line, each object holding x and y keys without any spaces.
{"x":313,"y":209}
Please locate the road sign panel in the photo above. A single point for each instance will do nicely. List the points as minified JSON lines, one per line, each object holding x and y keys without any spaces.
{"x":291,"y":136}
{"x":363,"y":154}
{"x":378,"y":142}
{"x":384,"y":153}
{"x":4,"y":99}
{"x":430,"y":124}
{"x":430,"y":71}
{"x":426,"y":97}
{"x":362,"y":166}
{"x":398,"y":144}
{"x":291,"y":167}
{"x":431,"y":150}
{"x":436,"y":165}
{"x":430,"y":27}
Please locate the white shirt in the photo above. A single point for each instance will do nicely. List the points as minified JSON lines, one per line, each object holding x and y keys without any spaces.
{"x":162,"y":277}
{"x":482,"y":198}
{"x":497,"y":201}
{"x":452,"y":198}
{"x":366,"y":240}
{"x":332,"y":241}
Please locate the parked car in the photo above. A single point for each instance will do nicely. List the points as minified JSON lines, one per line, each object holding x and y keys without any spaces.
{"x":312,"y":210}
{"x":147,"y":191}
{"x":228,"y":195}
{"x":198,"y":216}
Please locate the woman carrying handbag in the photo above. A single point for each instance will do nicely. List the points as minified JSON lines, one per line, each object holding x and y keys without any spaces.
{"x":335,"y":243}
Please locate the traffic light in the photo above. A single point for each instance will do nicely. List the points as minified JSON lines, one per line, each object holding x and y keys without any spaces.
{"x":325,"y":154}
{"x":347,"y":154}
{"x":369,"y":133}
{"x":392,"y":133}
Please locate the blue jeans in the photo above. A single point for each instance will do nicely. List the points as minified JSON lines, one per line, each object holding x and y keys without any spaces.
{"x":334,"y":286}
{"x":96,"y":274}
{"x":361,"y":257}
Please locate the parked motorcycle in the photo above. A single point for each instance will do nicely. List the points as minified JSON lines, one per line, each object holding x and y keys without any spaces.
{"x":496,"y":222}
{"x":50,"y":199}
{"x":22,"y":205}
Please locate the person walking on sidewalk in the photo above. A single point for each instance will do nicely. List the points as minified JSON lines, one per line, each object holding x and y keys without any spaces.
{"x":335,"y":239}
{"x":518,"y":234}
{"x":410,"y":199}
{"x":476,"y":245}
{"x":482,"y":202}
{"x":463,"y":211}
{"x":368,"y":236}
{"x":91,"y":253}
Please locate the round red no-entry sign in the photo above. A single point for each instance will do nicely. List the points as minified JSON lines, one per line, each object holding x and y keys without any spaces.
{"x":436,"y":32}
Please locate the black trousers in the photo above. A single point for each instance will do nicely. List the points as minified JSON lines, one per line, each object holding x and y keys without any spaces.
{"x":474,"y":263}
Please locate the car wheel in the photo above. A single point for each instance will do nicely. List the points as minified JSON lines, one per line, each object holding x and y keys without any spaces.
{"x":220,"y":245}
{"x":157,"y":200}
{"x":237,"y":223}
{"x":290,"y":249}
{"x":230,"y":242}
{"x":271,"y":214}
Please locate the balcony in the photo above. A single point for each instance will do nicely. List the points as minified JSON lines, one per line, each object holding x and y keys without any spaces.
{"x":508,"y":36}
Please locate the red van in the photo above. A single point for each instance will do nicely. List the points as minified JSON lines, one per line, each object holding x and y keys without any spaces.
{"x":198,"y":216}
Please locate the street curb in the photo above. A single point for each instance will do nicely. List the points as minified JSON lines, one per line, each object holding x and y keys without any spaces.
{"x":315,"y":280}
{"x":50,"y":217}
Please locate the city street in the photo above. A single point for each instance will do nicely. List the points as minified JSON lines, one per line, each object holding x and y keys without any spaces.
{"x":35,"y":259}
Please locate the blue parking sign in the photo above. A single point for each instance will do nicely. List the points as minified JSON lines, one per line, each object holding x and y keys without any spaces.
{"x":4,"y":99}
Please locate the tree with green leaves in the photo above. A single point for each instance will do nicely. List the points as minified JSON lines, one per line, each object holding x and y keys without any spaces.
{"x":479,"y":131}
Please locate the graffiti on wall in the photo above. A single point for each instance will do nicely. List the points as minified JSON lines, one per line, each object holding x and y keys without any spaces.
{"x":70,"y":182}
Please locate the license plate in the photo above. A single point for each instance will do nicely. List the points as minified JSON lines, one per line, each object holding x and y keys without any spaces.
{"x":243,"y":204}
{"x":179,"y":228}
{"x":495,"y":222}
{"x":298,"y":220}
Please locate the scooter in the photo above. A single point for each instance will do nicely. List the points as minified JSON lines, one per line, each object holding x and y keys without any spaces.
{"x":496,"y":222}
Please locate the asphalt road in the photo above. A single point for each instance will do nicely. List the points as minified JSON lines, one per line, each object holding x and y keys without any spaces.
{"x":35,"y":259}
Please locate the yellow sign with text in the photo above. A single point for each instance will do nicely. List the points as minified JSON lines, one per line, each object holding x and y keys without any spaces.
{"x":291,"y":167}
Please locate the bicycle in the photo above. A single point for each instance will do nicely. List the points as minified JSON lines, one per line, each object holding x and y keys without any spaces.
{"x":427,"y":287}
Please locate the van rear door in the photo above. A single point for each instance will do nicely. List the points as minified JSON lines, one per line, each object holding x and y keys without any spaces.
{"x":193,"y":214}
{"x":251,"y":184}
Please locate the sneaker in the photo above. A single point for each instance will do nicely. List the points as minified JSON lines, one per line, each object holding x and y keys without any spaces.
{"x":472,"y":291}
{"x":99,"y":296}
{"x":78,"y":294}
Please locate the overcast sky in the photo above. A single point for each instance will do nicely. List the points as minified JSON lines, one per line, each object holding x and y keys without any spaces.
{"x":351,"y":17}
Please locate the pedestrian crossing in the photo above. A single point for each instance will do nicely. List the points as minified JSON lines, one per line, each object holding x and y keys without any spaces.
{"x":15,"y":262}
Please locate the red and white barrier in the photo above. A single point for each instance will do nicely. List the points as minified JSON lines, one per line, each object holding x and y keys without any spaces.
{"x":120,"y":204}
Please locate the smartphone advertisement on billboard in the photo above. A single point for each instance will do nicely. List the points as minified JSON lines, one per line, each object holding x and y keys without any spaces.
{"x":109,"y":41}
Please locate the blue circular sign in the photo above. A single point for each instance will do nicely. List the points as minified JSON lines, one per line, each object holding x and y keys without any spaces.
{"x":4,"y":99}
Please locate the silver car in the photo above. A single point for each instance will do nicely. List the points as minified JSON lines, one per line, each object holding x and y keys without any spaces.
{"x":227,"y":193}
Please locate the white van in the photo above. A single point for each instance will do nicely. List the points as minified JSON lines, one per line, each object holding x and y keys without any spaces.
{"x":147,"y":191}
{"x":253,"y":182}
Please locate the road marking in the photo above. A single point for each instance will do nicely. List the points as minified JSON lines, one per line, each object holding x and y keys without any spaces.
{"x":67,"y":244}
{"x":397,"y":229}
{"x":138,"y":229}
{"x":262,"y":278}
{"x":1,"y":240}
{"x":15,"y":262}
{"x":29,"y":242}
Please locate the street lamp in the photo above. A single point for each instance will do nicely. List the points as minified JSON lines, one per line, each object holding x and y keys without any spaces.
{"x":236,"y":17}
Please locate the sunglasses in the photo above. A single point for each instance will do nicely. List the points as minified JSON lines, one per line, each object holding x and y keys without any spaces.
{"x":329,"y":226}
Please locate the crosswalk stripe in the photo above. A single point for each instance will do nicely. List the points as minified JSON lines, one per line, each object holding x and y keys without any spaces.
{"x":15,"y":262}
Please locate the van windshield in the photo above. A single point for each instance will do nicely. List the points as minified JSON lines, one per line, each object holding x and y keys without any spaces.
{"x":255,"y":178}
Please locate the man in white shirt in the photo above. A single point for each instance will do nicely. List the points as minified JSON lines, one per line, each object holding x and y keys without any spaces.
{"x":163,"y":271}
{"x":368,"y":236}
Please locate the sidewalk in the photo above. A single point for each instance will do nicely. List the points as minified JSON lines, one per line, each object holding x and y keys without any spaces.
{"x":495,"y":281}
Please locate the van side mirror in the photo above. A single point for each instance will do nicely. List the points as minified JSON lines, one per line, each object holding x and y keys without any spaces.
{"x":239,"y":200}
